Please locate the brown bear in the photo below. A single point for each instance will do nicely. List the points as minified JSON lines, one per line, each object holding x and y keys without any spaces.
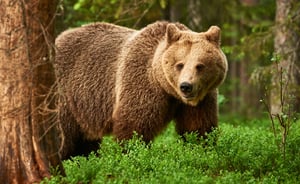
{"x":116,"y":80}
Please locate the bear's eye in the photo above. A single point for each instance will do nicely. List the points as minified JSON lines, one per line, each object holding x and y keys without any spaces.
{"x":179,"y":66}
{"x":200,"y":67}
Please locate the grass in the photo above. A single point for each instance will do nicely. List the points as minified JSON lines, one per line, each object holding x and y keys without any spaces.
{"x":230,"y":154}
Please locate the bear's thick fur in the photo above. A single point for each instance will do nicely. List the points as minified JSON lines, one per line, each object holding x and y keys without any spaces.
{"x":119,"y":80}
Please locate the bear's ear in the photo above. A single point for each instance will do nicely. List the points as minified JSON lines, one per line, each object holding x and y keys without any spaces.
{"x":173,"y":33}
{"x":214,"y":35}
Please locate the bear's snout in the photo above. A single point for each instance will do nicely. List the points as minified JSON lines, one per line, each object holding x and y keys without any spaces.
{"x":186,"y":87}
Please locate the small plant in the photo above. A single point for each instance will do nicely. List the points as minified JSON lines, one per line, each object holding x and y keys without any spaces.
{"x":284,"y":114}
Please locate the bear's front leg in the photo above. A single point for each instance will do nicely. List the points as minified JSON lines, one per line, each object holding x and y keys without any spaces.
{"x":145,"y":116}
{"x":201,"y":119}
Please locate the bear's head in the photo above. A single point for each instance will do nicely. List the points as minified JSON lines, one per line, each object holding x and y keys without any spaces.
{"x":193,"y":63}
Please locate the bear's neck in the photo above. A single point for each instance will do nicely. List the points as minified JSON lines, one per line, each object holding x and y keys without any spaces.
{"x":158,"y":75}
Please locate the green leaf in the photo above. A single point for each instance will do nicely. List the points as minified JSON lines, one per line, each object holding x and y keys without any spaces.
{"x":77,"y":6}
{"x":163,"y":4}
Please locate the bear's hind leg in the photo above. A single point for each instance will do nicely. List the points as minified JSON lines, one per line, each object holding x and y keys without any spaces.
{"x":74,"y":142}
{"x":85,"y":147}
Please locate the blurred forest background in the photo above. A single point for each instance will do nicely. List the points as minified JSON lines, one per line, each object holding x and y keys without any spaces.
{"x":249,"y":32}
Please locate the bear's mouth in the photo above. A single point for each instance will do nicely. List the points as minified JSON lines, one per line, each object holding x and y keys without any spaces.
{"x":193,"y":97}
{"x":188,"y":97}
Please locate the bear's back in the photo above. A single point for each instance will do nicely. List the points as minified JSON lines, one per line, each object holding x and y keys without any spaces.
{"x":85,"y":64}
{"x":90,"y":40}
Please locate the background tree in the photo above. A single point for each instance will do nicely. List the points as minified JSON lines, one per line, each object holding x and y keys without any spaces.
{"x":29,"y":134}
{"x":285,"y":91}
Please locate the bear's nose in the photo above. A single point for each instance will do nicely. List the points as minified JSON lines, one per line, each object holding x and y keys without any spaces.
{"x":186,"y":87}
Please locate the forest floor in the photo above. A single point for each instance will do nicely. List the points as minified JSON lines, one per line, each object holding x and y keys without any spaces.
{"x":236,"y":152}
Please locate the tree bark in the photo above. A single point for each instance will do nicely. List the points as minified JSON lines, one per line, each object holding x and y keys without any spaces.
{"x":285,"y":93}
{"x":29,"y":134}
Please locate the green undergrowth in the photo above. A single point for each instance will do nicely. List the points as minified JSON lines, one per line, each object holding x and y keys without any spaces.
{"x":230,"y":154}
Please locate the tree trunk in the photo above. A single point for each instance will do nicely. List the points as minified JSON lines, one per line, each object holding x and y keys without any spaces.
{"x":29,"y":135}
{"x":176,"y":10}
{"x":185,"y":11}
{"x":194,"y":16}
{"x":285,"y":93}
